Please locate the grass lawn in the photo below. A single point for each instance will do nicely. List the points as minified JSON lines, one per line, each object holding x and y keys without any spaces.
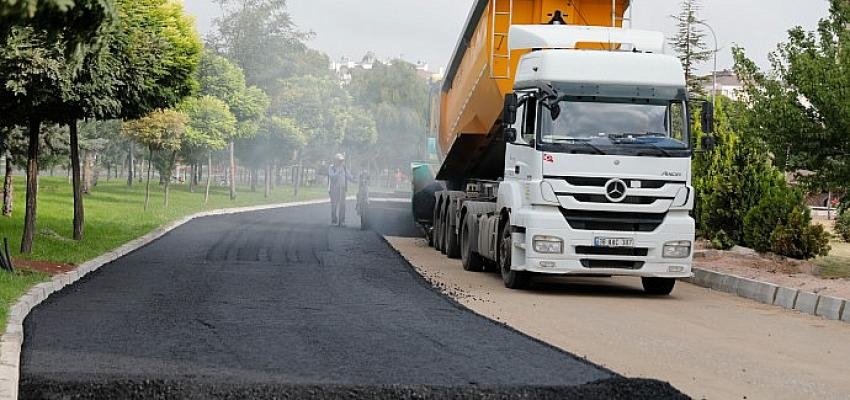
{"x":837,"y":264}
{"x":114,"y":216}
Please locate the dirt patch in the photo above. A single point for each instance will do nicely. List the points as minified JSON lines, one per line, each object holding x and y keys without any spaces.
{"x":770,"y":268}
{"x":50,"y":268}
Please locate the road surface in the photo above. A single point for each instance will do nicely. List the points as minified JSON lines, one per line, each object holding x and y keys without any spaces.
{"x":280,"y":304}
{"x":709,"y":345}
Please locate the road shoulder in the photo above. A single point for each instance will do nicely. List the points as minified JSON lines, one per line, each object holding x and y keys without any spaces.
{"x":705,"y":343}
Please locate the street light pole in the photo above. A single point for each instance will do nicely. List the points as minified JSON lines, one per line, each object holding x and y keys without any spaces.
{"x":714,"y":71}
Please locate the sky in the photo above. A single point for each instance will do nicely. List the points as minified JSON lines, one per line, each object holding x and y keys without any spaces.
{"x":428,"y":30}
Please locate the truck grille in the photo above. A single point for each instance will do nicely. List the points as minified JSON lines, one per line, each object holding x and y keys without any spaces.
{"x":612,"y":221}
{"x":598,"y":198}
{"x":600,"y":182}
{"x":610,"y":251}
{"x":612,"y":264}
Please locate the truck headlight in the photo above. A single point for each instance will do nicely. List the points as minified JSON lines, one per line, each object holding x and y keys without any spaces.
{"x":548,"y":244}
{"x":677,"y":249}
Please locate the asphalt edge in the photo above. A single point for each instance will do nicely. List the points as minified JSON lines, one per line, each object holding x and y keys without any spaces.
{"x":12,"y":340}
{"x":828,"y":307}
{"x":502,"y":324}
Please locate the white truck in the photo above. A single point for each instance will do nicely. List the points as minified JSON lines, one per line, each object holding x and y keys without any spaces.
{"x":586,"y":169}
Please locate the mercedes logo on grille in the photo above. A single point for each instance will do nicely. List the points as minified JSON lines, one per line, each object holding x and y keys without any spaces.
{"x":615,"y":190}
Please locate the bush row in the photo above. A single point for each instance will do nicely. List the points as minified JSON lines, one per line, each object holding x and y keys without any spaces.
{"x":744,"y":200}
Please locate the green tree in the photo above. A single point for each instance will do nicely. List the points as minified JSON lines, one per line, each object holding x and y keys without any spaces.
{"x":397,"y":98}
{"x":689,"y":42}
{"x":76,"y":23}
{"x":210,"y":124}
{"x":260,"y":37}
{"x":160,"y":131}
{"x":224,"y":80}
{"x":158,"y":51}
{"x":37,"y":79}
{"x":801,"y":108}
{"x":315,"y":104}
{"x":731,"y":180}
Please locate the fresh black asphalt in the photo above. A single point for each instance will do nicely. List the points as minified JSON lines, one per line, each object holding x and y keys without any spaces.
{"x":278,"y":304}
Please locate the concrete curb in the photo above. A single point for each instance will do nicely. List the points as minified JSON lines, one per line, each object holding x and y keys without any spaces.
{"x":768,"y":293}
{"x":12,"y":340}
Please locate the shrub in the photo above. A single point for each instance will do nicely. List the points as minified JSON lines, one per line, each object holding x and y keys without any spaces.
{"x":842,"y":225}
{"x":771,"y":211}
{"x":722,"y":241}
{"x":730,"y":181}
{"x":798,"y":238}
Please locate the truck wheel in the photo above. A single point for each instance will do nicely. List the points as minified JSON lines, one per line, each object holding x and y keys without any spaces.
{"x":472,"y":261}
{"x":437,"y":232}
{"x":658,"y":286}
{"x":442,"y":237}
{"x":364,"y":219}
{"x":513,"y":279}
{"x":452,"y":241}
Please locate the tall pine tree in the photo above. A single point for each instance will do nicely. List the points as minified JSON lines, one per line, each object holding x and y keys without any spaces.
{"x":689,"y":42}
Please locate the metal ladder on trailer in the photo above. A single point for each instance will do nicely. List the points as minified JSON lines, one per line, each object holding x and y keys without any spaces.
{"x":499,"y":50}
{"x":614,"y":19}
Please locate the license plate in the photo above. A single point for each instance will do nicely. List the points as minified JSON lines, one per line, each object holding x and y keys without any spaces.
{"x":614,"y":242}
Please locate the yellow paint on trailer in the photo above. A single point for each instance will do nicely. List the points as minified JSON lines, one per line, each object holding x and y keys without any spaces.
{"x":471,"y":103}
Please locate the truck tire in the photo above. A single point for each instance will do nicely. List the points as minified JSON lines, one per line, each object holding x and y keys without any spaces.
{"x":471,"y":260}
{"x":443,"y":222}
{"x":658,"y":286}
{"x":364,"y":219}
{"x":512,"y":279}
{"x":437,"y":232}
{"x":452,"y":240}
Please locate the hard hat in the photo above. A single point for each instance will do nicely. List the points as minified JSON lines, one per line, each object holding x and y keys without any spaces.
{"x":340,"y":157}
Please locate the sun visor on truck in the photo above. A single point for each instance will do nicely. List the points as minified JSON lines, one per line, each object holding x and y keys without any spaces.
{"x":571,"y":37}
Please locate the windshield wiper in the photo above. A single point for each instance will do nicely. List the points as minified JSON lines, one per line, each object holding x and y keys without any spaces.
{"x":585,"y":143}
{"x":661,"y":149}
{"x":622,"y":139}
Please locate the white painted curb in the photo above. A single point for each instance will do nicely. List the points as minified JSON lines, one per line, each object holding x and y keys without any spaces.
{"x":768,"y":293}
{"x":12,"y":340}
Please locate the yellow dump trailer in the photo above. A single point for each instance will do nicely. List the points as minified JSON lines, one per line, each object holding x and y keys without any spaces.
{"x":482,"y":71}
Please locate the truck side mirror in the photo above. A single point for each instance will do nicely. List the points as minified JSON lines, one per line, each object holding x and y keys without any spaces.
{"x":511,"y":105}
{"x":708,"y":143}
{"x":510,"y":135}
{"x":707,"y":117}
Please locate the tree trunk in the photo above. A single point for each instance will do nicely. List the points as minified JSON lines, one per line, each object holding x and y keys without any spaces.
{"x":79,"y":210}
{"x":131,"y":166}
{"x":148,"y":184}
{"x":92,"y":161}
{"x":299,"y":170}
{"x":209,"y":178}
{"x":32,"y":188}
{"x":192,"y":182}
{"x":168,"y":179}
{"x":88,"y":180}
{"x":255,"y":177}
{"x":232,"y":171}
{"x":268,"y":180}
{"x":7,"y":189}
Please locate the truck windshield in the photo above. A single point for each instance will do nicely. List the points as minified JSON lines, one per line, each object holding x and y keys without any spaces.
{"x":634,"y":127}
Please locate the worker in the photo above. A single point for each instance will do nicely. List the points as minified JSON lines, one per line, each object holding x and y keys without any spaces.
{"x":338,"y":178}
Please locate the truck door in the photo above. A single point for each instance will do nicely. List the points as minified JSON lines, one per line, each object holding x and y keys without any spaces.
{"x":521,"y":158}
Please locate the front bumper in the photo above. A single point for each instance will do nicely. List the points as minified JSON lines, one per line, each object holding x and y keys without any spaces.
{"x":576,"y":260}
